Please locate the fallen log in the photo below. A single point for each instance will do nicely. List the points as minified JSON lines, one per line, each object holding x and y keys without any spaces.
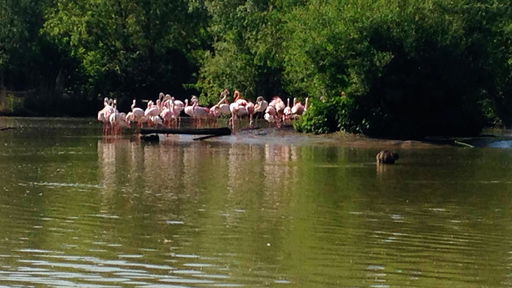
{"x":190,"y":131}
{"x":7,"y":128}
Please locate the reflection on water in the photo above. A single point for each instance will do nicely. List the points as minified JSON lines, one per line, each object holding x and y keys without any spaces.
{"x":82,"y":210}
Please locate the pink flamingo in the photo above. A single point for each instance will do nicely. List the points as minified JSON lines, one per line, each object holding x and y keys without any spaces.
{"x":275,"y":111}
{"x":242,"y":104}
{"x":238,"y":108}
{"x":136,"y":115}
{"x":221,"y":108}
{"x":224,"y":107}
{"x":177,"y":106}
{"x":250,"y":110}
{"x":167,"y":114}
{"x":200,"y":112}
{"x":298,"y":108}
{"x":152,"y":109}
{"x":287,"y":112}
{"x":117,"y":120}
{"x":151,"y":112}
{"x":215,"y":110}
{"x":260,"y":107}
{"x":104,"y":114}
{"x":271,"y":114}
{"x":156,"y":120}
{"x":189,"y":110}
{"x":278,"y":103}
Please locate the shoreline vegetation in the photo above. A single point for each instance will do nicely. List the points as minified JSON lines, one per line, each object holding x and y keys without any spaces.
{"x":390,"y":69}
{"x":265,"y":134}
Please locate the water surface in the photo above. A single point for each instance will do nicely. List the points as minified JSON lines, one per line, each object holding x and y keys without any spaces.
{"x":258,"y":209}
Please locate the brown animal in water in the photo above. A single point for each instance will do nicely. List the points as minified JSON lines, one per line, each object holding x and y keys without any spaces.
{"x":386,"y":157}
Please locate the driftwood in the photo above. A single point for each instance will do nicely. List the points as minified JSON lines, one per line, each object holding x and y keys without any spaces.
{"x":190,"y":131}
{"x":7,"y":128}
{"x":151,"y":134}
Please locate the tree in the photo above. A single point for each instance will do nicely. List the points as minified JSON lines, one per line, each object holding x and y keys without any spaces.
{"x":247,"y":49}
{"x":409,"y":68}
{"x":129,"y":49}
{"x":20,"y":43}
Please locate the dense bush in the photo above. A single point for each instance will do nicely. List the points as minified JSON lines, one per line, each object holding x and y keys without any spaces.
{"x":410,"y":68}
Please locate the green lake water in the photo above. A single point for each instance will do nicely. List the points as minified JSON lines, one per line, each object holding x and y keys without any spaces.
{"x":258,"y":209}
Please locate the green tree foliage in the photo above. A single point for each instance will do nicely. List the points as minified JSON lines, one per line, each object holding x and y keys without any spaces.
{"x":247,"y":49}
{"x":406,"y":68}
{"x":129,"y":48}
{"x":410,"y":68}
{"x":29,"y":62}
{"x":21,"y":46}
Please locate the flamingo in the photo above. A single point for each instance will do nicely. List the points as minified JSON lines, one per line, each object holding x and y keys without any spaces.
{"x":250,"y":110}
{"x":271,"y":114}
{"x":136,"y":115}
{"x":278,"y":103}
{"x":195,"y":111}
{"x":215,"y":110}
{"x":298,"y":108}
{"x":260,"y":107}
{"x":117,"y":121}
{"x":275,"y":110}
{"x":167,"y":114}
{"x":224,"y":107}
{"x":151,"y":112}
{"x":156,"y":120}
{"x":104,"y":114}
{"x":242,"y":104}
{"x":194,"y":99}
{"x":200,"y":112}
{"x":189,"y":110}
{"x":221,"y":108}
{"x":240,"y":108}
{"x":269,"y":118}
{"x":152,"y":109}
{"x":287,"y":112}
{"x":177,"y":106}
{"x":114,"y":116}
{"x":234,"y":108}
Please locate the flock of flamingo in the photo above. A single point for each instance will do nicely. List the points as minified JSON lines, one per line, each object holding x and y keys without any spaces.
{"x":166,"y":112}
